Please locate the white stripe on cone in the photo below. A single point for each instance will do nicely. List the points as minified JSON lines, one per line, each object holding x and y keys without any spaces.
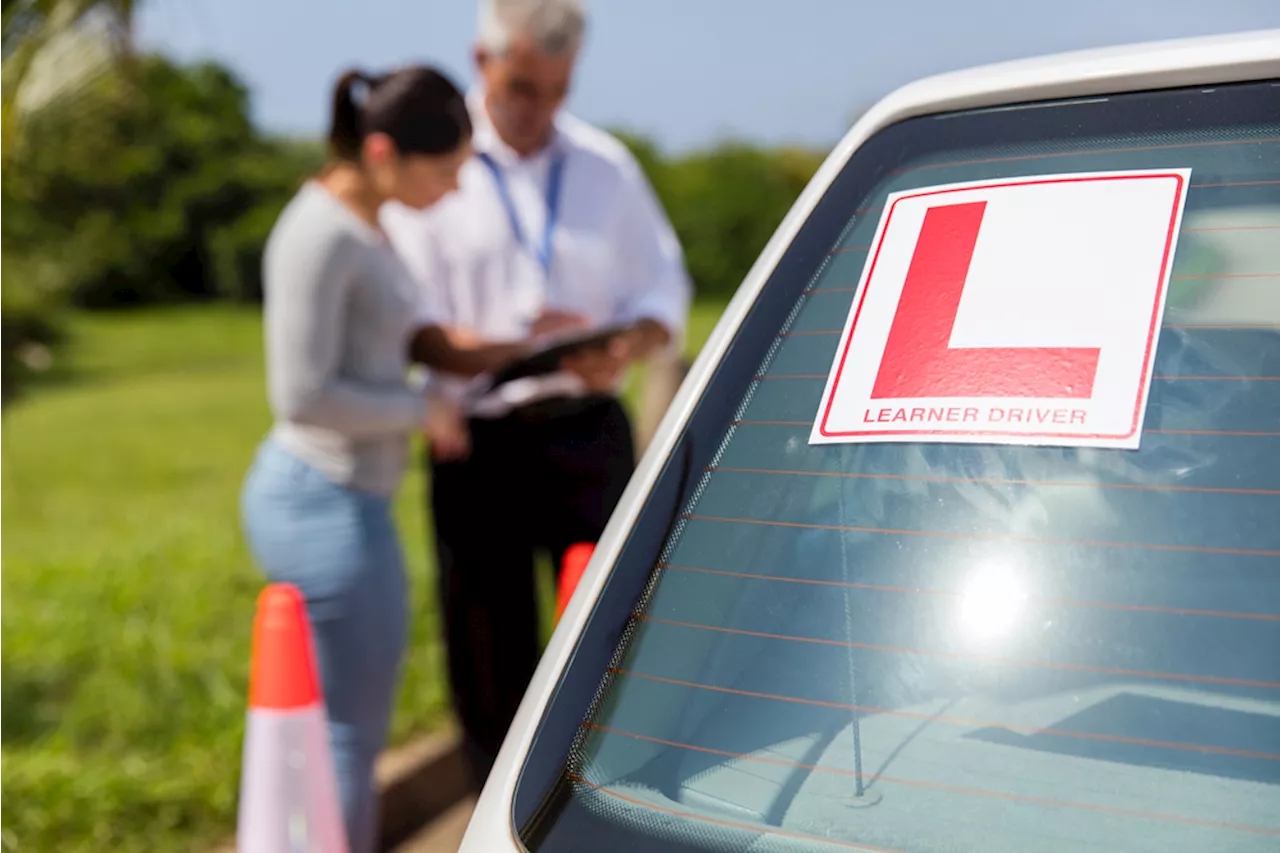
{"x":288,"y":791}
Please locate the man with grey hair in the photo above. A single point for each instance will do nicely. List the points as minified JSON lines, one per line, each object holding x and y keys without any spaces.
{"x":556,"y":28}
{"x":554,"y":229}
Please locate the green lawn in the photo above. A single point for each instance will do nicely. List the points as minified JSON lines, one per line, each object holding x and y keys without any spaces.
{"x":129,"y":593}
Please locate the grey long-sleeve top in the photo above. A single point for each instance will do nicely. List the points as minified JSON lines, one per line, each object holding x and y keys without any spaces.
{"x":339,"y":311}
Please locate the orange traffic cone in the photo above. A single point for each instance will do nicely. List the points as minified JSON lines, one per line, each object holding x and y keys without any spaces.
{"x":572,"y":566}
{"x":288,"y":791}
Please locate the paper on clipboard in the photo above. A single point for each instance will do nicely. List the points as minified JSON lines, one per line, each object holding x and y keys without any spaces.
{"x":546,"y":359}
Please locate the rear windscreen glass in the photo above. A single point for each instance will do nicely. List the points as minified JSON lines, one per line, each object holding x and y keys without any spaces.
{"x":939,"y":647}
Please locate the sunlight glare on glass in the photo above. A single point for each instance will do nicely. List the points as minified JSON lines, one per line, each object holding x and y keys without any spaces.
{"x":992,"y":602}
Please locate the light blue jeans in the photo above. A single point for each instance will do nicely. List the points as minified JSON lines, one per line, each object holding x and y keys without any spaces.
{"x":339,"y":547}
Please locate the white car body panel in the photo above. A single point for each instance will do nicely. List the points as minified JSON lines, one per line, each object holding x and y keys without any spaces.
{"x":1083,"y":74}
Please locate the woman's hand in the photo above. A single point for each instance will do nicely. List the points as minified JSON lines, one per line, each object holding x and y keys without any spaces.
{"x":460,"y":351}
{"x":446,"y":430}
{"x":463,"y":338}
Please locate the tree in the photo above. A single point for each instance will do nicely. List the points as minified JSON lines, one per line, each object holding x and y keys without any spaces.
{"x":31,"y":77}
{"x":136,"y":190}
{"x":725,"y":203}
{"x":160,"y":189}
{"x":51,"y":49}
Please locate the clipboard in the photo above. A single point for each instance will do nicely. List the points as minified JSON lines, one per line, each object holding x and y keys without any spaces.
{"x":546,"y":359}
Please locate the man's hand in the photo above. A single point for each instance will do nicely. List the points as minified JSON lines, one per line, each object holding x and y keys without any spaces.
{"x":646,"y":337}
{"x":446,"y":430}
{"x":600,"y":368}
{"x":552,"y":322}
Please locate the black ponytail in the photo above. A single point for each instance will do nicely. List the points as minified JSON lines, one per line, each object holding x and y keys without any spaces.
{"x":418,"y":107}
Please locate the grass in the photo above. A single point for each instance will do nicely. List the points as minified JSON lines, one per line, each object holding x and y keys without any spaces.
{"x":130,"y":592}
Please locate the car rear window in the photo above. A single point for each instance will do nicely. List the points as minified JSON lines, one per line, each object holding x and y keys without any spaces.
{"x":941,"y":647}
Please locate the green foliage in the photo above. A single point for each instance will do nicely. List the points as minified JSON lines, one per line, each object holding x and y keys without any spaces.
{"x":136,"y":187}
{"x":145,"y":187}
{"x":38,"y":37}
{"x":30,"y":80}
{"x":236,"y":247}
{"x":30,"y":300}
{"x":725,"y":203}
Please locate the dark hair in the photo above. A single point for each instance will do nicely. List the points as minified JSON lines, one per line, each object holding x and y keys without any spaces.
{"x":418,"y":107}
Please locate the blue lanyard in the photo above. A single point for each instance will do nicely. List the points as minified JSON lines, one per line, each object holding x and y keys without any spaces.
{"x":556,"y":172}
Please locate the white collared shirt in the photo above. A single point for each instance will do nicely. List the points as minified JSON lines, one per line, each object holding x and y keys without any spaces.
{"x":615,"y":257}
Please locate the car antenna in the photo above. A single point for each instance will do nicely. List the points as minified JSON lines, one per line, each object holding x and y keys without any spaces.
{"x":863,"y":795}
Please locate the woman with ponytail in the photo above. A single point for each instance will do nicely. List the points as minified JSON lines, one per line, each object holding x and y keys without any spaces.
{"x":339,"y":318}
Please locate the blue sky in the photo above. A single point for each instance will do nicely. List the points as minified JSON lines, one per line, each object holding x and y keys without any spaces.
{"x":685,"y":73}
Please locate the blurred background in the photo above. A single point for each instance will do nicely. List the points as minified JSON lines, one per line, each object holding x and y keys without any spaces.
{"x":148,"y":146}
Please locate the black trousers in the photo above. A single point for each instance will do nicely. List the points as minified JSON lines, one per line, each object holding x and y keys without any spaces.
{"x":543,"y":477}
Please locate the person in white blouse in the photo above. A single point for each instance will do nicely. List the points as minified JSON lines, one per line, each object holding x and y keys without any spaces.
{"x":554,"y":228}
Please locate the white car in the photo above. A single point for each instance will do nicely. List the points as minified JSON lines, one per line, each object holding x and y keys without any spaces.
{"x":906,"y":571}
